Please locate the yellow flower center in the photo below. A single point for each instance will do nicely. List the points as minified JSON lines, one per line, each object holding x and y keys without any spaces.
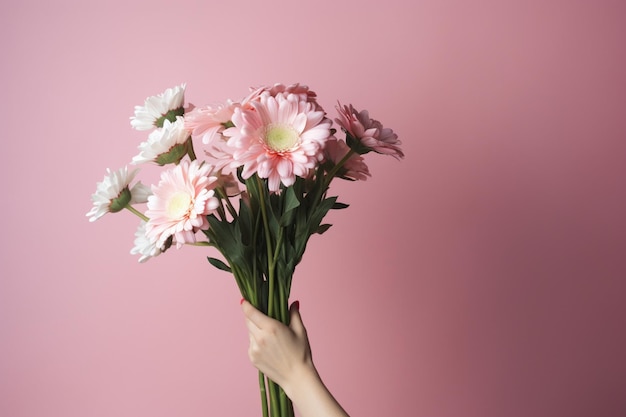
{"x":178,"y":205}
{"x":281,"y":138}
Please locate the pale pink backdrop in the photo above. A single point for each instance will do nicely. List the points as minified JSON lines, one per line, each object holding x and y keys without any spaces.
{"x":482,"y":276}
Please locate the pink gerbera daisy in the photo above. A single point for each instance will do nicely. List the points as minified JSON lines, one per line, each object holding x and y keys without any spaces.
{"x":369,"y":133}
{"x":180,"y":203}
{"x":354,"y":168}
{"x":208,"y":122}
{"x":301,"y":91}
{"x":278,"y":138}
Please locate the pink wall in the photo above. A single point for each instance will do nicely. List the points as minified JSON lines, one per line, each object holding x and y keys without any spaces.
{"x":481,"y":276}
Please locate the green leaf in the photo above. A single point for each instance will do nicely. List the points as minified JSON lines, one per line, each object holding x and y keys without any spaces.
{"x":340,"y":206}
{"x":323,"y":228}
{"x":287,"y":218}
{"x":246,"y":222}
{"x":229,"y":242}
{"x":218,"y":264}
{"x":322,"y":209}
{"x":291,"y":200}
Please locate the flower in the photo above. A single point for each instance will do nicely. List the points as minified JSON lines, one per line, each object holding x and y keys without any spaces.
{"x":139,"y":193}
{"x":113,"y":193}
{"x":143,"y":245}
{"x":180,"y":203}
{"x":156,"y":109}
{"x":301,"y":91}
{"x":259,"y":195}
{"x":208,"y":122}
{"x":278,"y":138}
{"x":354,"y":168}
{"x":365,"y":134}
{"x":167,"y":145}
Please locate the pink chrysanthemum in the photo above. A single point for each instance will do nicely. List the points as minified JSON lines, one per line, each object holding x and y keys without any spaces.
{"x":368,"y":132}
{"x":180,"y":203}
{"x":354,"y":168}
{"x":278,"y":138}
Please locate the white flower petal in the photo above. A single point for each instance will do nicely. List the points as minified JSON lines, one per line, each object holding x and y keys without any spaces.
{"x":156,"y":106}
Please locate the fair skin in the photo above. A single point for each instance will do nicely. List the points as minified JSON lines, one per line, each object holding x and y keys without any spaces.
{"x":283,"y":354}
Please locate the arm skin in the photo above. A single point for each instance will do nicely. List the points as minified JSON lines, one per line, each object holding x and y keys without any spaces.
{"x":283,"y":354}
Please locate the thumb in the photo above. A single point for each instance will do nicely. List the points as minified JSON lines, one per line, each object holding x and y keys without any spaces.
{"x":295,"y":321}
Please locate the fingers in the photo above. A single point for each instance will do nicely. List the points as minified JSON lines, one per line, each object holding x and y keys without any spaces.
{"x":295,"y":322}
{"x":254,"y":316}
{"x":257,"y":321}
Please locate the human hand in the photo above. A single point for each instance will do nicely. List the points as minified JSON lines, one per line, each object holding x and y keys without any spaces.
{"x":283,"y":354}
{"x":280,"y":352}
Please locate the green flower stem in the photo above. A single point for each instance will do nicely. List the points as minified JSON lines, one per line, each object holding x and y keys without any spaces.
{"x":283,"y":284}
{"x":274,"y":398}
{"x":270,"y":253}
{"x":190,"y":150}
{"x":263,"y":389}
{"x":284,"y":303}
{"x":279,"y":244}
{"x":285,"y":409}
{"x":137,"y":212}
{"x":255,"y":266}
{"x":201,"y":243}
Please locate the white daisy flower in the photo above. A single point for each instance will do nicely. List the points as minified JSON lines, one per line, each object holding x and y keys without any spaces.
{"x":167,"y":145}
{"x":156,"y":109}
{"x":143,"y":246}
{"x":113,"y":193}
{"x":139,"y":193}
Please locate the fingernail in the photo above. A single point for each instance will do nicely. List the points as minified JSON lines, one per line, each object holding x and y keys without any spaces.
{"x":241,"y":301}
{"x":296,"y":305}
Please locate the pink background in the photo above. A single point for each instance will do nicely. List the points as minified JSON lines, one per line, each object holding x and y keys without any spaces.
{"x":481,"y":276}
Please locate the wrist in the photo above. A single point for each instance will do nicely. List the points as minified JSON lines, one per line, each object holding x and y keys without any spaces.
{"x":309,"y":394}
{"x":303,"y":378}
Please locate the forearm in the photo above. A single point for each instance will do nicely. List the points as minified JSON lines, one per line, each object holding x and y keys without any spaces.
{"x":310,"y":396}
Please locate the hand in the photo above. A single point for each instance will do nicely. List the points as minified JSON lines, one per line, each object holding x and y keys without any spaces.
{"x":280,"y":352}
{"x":283,"y":354}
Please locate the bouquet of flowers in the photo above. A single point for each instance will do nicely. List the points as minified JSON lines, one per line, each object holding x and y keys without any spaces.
{"x":257,"y":195}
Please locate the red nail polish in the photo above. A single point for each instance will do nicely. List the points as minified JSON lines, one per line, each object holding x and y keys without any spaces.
{"x":296,"y":305}
{"x":241,"y":301}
